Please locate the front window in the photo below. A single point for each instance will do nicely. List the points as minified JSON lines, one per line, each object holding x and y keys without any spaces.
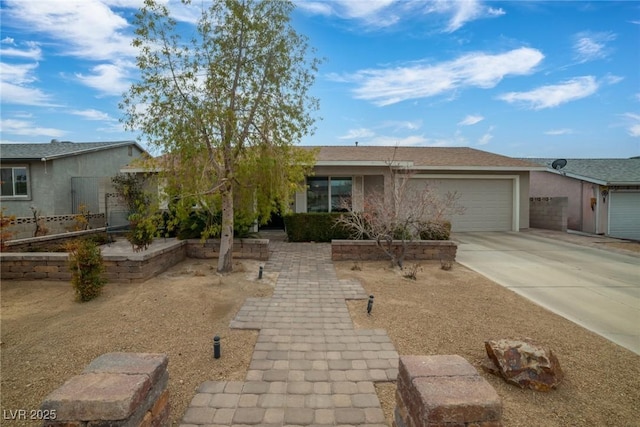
{"x":328,"y":194}
{"x":13,"y":182}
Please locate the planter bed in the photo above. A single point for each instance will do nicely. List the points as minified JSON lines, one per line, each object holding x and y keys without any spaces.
{"x":122,"y":264}
{"x":367,"y":250}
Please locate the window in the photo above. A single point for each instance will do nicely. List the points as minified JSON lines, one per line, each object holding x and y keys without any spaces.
{"x":13,"y":181}
{"x":325,"y":194}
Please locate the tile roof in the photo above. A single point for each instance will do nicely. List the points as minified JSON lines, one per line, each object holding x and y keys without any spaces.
{"x":605,"y":171}
{"x":54,"y":150}
{"x":424,"y":157}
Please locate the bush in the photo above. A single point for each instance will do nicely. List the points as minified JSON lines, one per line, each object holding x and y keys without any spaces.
{"x":432,"y":230}
{"x":87,"y":267}
{"x":316,"y":227}
{"x":198,"y":221}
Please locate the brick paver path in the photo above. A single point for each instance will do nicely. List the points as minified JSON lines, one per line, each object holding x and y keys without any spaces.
{"x":309,"y":366}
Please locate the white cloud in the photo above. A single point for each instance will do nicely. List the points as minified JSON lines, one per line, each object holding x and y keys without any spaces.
{"x":487,"y":137}
{"x":32,"y":51}
{"x":357,"y":133}
{"x":634,"y":125}
{"x":28,"y":128}
{"x":93,"y":114}
{"x":373,"y":13}
{"x":87,"y":28}
{"x":564,"y":131}
{"x":467,"y":11}
{"x":554,"y":95}
{"x":590,"y":46}
{"x":109,"y":79}
{"x":385,"y":13}
{"x":393,"y":85}
{"x":15,"y":85}
{"x":470,"y":120}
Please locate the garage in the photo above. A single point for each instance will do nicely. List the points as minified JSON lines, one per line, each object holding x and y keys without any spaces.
{"x":624,"y":214}
{"x":488,"y":202}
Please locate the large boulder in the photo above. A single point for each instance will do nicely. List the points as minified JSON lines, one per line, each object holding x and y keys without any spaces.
{"x":524,"y":363}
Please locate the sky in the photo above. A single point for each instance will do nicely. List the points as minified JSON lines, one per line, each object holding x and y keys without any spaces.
{"x":522,"y":78}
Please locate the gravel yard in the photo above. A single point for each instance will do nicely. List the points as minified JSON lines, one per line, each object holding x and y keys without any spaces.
{"x":47,"y":337}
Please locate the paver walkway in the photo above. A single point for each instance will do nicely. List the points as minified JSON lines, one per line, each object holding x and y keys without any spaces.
{"x":310,"y":366}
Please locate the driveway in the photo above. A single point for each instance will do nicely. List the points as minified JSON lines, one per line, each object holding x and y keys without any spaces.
{"x":595,"y":288}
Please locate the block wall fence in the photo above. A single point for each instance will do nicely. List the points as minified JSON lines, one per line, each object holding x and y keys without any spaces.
{"x":549,"y":213}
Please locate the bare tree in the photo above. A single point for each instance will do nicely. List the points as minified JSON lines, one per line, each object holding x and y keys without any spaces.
{"x":410,"y":211}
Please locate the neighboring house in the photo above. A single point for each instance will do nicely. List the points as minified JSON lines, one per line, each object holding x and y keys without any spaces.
{"x":57,"y":177}
{"x":493,"y":189}
{"x":603,"y":194}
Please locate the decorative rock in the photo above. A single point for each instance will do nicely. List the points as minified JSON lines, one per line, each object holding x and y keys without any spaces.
{"x":523,"y":363}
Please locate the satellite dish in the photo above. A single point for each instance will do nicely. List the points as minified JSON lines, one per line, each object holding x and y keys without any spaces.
{"x":559,"y":164}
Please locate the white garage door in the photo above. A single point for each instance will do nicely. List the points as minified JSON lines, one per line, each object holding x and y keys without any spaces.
{"x":488,"y":203}
{"x":624,"y":214}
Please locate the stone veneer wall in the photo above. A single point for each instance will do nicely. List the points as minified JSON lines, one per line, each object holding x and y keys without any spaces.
{"x":115,"y":389}
{"x":118,"y":268}
{"x":444,"y":390}
{"x":367,"y":250}
{"x":549,"y":213}
{"x":136,"y":267}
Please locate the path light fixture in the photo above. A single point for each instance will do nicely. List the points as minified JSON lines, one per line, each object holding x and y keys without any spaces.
{"x":216,"y":347}
{"x":260,"y":272}
{"x":370,"y":305}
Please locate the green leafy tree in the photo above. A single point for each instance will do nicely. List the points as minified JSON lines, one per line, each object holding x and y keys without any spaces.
{"x":226,"y":103}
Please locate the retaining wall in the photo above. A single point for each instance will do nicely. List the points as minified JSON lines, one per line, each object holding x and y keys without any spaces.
{"x":549,"y":213}
{"x":136,"y":267}
{"x":116,"y":390}
{"x":444,"y":390}
{"x":242,"y":249}
{"x":367,"y":250}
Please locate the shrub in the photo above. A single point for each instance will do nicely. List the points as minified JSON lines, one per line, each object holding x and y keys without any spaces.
{"x":5,"y":223}
{"x":316,"y":227}
{"x":432,"y":230}
{"x":87,"y":267}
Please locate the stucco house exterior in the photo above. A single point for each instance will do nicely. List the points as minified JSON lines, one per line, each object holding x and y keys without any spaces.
{"x":603,"y":194}
{"x":493,"y":189}
{"x":56,"y":177}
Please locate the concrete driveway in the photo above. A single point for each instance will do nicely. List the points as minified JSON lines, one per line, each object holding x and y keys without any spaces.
{"x":595,"y":288}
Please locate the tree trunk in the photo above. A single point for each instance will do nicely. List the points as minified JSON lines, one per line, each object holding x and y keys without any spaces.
{"x":225,"y":259}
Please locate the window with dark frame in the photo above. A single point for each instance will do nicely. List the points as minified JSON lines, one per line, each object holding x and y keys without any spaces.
{"x":14,"y":181}
{"x":328,"y":194}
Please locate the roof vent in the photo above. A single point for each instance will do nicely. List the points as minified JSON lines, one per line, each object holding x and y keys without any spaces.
{"x":559,"y":164}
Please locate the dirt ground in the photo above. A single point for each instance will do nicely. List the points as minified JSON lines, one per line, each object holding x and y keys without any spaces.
{"x":454,"y":312}
{"x":47,"y":337}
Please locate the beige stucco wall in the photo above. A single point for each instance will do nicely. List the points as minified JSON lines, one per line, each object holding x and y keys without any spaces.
{"x":378,"y":177}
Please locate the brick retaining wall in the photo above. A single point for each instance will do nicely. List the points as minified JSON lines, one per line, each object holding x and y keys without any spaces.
{"x":136,"y":267}
{"x":242,"y":249}
{"x":367,"y":250}
{"x":444,"y":390}
{"x":116,"y":390}
{"x":118,"y":268}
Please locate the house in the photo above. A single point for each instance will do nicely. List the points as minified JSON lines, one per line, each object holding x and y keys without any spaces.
{"x":493,"y":189}
{"x":57,"y":177}
{"x":603,"y":194}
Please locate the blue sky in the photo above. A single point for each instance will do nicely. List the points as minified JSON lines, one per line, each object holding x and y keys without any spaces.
{"x":523,"y":79}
